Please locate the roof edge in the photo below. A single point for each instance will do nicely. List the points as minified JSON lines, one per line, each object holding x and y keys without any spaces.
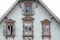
{"x":45,"y":6}
{"x":9,"y":10}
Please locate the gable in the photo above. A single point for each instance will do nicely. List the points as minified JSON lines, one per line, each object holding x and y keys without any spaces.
{"x":8,"y":9}
{"x":50,"y":12}
{"x":40,"y":13}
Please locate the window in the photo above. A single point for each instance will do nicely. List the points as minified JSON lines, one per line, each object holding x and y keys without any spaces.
{"x":9,"y":29}
{"x":28,"y":27}
{"x":28,"y":10}
{"x":46,"y":28}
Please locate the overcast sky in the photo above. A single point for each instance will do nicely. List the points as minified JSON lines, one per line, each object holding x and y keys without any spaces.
{"x":53,"y":5}
{"x":5,"y":5}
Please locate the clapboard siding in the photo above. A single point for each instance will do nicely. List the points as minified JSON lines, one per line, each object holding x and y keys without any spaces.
{"x":40,"y":14}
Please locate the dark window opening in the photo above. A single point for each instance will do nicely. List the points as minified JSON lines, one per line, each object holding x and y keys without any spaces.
{"x":26,"y":10}
{"x":30,"y":29}
{"x":10,"y":29}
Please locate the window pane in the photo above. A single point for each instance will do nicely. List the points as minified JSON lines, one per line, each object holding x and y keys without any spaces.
{"x":10,"y":30}
{"x":46,"y":30}
{"x":28,"y":28}
{"x":28,"y":9}
{"x":28,"y":24}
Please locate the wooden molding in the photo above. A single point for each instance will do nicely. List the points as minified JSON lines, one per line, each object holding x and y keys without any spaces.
{"x":28,"y":3}
{"x":28,"y":19}
{"x":46,"y":22}
{"x":9,"y":22}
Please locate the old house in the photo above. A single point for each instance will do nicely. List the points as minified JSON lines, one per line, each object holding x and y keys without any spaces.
{"x":29,"y":20}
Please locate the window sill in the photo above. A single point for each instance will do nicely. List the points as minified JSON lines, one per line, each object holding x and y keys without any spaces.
{"x":46,"y":35}
{"x":28,"y":35}
{"x":28,"y":14}
{"x":9,"y":35}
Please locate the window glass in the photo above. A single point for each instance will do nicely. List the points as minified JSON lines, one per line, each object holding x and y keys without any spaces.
{"x":28,"y":9}
{"x":29,"y":24}
{"x":10,"y":30}
{"x":46,"y":30}
{"x":28,"y":28}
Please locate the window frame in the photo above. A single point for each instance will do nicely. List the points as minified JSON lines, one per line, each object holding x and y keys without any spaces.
{"x":28,"y":19}
{"x":10,"y":30}
{"x":29,"y":10}
{"x":28,"y":3}
{"x":46,"y":22}
{"x":9,"y":22}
